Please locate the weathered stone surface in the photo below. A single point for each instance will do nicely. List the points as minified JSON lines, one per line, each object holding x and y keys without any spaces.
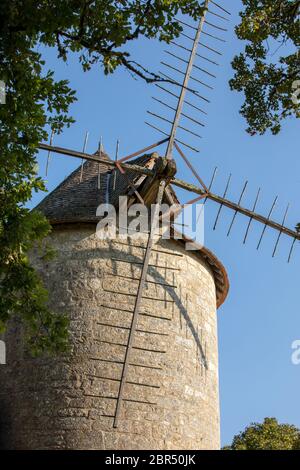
{"x":69,"y":403}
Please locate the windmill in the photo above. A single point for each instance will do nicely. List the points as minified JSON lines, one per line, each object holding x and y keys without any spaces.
{"x":186,"y":97}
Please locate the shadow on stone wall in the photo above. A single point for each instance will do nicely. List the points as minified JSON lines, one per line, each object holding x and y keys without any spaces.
{"x":106,"y":254}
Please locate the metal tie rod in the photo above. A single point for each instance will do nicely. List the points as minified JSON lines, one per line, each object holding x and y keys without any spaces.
{"x":170,"y":122}
{"x":116,"y":159}
{"x":280,"y":233}
{"x":209,"y":188}
{"x":186,"y":62}
{"x":219,"y":6}
{"x":48,"y":156}
{"x":268,"y":218}
{"x":176,"y":140}
{"x":100,"y":154}
{"x":235,"y":214}
{"x":190,"y":166}
{"x":203,"y":32}
{"x":291,"y":250}
{"x":83,"y":151}
{"x":191,"y":90}
{"x":215,"y":26}
{"x":174,"y":82}
{"x":197,"y":54}
{"x":145,"y":149}
{"x":217,"y":15}
{"x":202,"y":44}
{"x":191,"y":77}
{"x":186,"y":102}
{"x":221,"y":206}
{"x":213,"y":36}
{"x":251,"y":218}
{"x":174,"y":109}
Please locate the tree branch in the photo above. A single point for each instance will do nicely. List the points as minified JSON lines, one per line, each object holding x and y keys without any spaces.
{"x":132,"y":66}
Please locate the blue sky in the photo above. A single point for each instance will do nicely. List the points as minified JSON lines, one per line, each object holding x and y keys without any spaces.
{"x":260,"y":318}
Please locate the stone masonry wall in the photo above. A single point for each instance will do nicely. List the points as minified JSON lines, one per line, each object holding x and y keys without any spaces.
{"x":171,"y":394}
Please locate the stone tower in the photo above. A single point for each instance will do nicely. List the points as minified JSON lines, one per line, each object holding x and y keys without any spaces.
{"x":171,"y":398}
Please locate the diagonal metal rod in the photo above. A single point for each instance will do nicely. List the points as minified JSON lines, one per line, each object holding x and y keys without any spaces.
{"x":156,"y":128}
{"x":197,"y":54}
{"x":251,"y":218}
{"x":177,"y":140}
{"x":174,"y":212}
{"x":213,"y":36}
{"x":175,"y":124}
{"x":131,"y":184}
{"x":174,"y":109}
{"x":145,"y":149}
{"x":221,"y":8}
{"x":280,"y":233}
{"x":269,"y":216}
{"x":176,"y":83}
{"x":99,"y":169}
{"x":210,"y":48}
{"x":138,"y":302}
{"x":221,"y":205}
{"x":170,"y":122}
{"x":195,"y":66}
{"x":202,"y":44}
{"x":116,"y":159}
{"x":83,"y":151}
{"x":212,"y":178}
{"x":217,"y":15}
{"x":215,"y":26}
{"x":206,"y":22}
{"x":291,"y":250}
{"x":235,"y":214}
{"x":188,"y":163}
{"x":49,"y":153}
{"x":208,"y":191}
{"x":203,"y":32}
{"x":183,"y":73}
{"x":194,"y":92}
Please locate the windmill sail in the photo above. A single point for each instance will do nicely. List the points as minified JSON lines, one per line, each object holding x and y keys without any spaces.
{"x":188,"y":81}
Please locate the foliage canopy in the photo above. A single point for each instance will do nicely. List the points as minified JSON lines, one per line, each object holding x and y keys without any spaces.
{"x":269,"y":435}
{"x":268,"y":70}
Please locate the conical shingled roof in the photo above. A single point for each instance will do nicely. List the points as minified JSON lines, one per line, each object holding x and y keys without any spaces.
{"x":76,"y":199}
